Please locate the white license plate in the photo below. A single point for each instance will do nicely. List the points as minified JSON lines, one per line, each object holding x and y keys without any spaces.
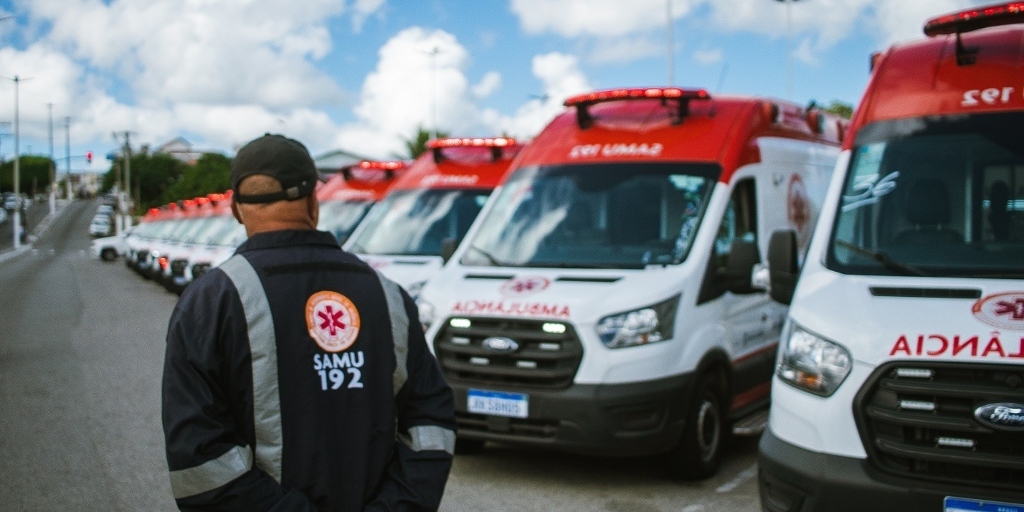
{"x":496,"y":403}
{"x":952,"y":504}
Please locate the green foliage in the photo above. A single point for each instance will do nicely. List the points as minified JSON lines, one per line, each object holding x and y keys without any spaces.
{"x":418,"y":143}
{"x":152,"y":175}
{"x":31,"y":167}
{"x":210,"y":174}
{"x":844,"y":110}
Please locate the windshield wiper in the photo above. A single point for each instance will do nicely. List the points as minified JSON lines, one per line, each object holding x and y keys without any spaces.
{"x":884,"y":259}
{"x":490,"y":257}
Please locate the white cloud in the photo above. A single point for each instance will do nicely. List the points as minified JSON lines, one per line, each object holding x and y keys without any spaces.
{"x":625,"y":49}
{"x":572,"y":18}
{"x":561,"y":78}
{"x":708,"y":57}
{"x":823,"y":22}
{"x":418,"y":71}
{"x":362,"y":9}
{"x":487,"y":85}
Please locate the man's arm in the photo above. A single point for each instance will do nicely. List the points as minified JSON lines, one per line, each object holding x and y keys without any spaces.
{"x":419,"y":468}
{"x":211,"y":465}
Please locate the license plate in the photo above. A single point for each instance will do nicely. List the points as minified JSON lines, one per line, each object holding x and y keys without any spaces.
{"x":965,"y":505}
{"x":496,"y":403}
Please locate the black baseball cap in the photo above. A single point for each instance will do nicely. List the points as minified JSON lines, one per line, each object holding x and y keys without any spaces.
{"x":286,"y":160}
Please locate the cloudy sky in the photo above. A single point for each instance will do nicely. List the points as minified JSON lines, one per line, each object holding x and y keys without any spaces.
{"x":361,"y":74}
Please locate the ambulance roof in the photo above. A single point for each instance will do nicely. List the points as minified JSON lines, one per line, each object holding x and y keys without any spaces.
{"x":471,"y":163}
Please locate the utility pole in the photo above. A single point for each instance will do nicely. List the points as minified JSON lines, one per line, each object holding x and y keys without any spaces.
{"x":17,"y":170}
{"x":67,"y":156}
{"x":789,"y":57}
{"x":127,"y":185}
{"x":671,"y":42}
{"x":53,"y":174}
{"x":433,"y":90}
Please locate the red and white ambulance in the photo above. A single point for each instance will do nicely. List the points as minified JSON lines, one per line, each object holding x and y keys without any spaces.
{"x":900,"y":380}
{"x":603,"y":302}
{"x":348,"y":195}
{"x":429,"y":209}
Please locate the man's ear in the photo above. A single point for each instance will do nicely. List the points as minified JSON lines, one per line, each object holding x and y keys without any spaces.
{"x":313,"y":204}
{"x":235,"y":212}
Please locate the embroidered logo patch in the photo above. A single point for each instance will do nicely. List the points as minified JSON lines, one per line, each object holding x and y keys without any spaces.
{"x":333,"y":320}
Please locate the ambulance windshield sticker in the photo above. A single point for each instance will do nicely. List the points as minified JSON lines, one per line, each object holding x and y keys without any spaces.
{"x":332,"y":320}
{"x":868,"y":187}
{"x":1002,"y":310}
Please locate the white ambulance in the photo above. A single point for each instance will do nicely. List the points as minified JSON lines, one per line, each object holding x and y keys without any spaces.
{"x":603,"y":302}
{"x":900,"y":379}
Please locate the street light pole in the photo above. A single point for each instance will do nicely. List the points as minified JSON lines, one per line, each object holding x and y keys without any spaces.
{"x":53,"y":178}
{"x":17,"y":169}
{"x":433,"y":90}
{"x":671,"y":42}
{"x":789,"y":57}
{"x":67,"y":156}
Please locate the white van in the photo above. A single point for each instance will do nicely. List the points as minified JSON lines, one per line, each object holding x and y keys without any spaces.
{"x":603,"y":302}
{"x":900,"y":380}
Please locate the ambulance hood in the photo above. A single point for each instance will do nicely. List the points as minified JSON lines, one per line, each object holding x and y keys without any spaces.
{"x":409,"y":272}
{"x":880,"y":319}
{"x":579,"y":296}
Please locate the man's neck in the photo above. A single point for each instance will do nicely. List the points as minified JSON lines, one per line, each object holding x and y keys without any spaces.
{"x":265,"y":227}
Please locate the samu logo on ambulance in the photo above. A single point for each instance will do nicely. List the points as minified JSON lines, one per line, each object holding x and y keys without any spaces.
{"x":525,"y":285}
{"x":1002,"y":310}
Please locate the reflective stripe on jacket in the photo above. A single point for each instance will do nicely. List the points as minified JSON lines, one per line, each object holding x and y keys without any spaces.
{"x":265,"y":406}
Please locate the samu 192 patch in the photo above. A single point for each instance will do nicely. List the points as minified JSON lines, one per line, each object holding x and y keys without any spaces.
{"x":332,"y":320}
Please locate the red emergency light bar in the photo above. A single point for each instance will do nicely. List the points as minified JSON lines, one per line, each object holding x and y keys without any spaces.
{"x":974,"y":19}
{"x":202,"y":200}
{"x":683,"y":96}
{"x":153,"y":211}
{"x":490,"y":142}
{"x":188,"y":203}
{"x":382,"y":165}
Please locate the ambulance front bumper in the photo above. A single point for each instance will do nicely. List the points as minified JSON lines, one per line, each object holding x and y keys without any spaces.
{"x":640,"y":418}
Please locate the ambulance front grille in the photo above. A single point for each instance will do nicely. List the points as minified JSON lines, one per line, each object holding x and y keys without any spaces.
{"x":918,"y":420}
{"x":541,"y":359}
{"x":178,"y":268}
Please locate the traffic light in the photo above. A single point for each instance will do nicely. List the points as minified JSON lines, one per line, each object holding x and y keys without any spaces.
{"x":88,"y":156}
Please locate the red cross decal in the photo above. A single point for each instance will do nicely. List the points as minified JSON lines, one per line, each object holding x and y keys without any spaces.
{"x":524,"y":286}
{"x":331,"y":319}
{"x":1015,"y":308}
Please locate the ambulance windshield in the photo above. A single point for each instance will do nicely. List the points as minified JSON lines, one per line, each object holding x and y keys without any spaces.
{"x":937,"y":196}
{"x":340,"y":218}
{"x":621,"y":215}
{"x":417,"y":222}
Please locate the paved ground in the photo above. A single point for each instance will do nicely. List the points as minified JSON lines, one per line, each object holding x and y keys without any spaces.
{"x":36,"y":213}
{"x":81,"y":351}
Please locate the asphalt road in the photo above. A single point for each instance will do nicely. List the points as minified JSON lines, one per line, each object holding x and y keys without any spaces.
{"x":81,"y":353}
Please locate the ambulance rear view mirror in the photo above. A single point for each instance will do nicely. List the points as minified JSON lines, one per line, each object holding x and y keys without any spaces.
{"x":743,"y":257}
{"x":782,"y":265}
{"x":448,"y":246}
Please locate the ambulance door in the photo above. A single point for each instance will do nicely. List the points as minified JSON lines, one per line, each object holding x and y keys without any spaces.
{"x":751,"y":319}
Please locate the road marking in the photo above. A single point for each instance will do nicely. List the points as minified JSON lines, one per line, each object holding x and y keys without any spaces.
{"x":744,"y":475}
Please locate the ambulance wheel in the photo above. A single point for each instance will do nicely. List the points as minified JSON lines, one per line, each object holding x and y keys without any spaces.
{"x":699,"y":452}
{"x":108,"y":254}
{"x":465,"y":446}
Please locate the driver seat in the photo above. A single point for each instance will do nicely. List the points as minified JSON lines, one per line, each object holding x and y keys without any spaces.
{"x":928,"y":211}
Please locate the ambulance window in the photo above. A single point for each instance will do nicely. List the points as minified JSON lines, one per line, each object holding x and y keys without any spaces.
{"x":739,"y":221}
{"x":935,"y":196}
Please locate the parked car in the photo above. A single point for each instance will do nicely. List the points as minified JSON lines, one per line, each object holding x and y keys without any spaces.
{"x":108,"y":249}
{"x":101,"y":226}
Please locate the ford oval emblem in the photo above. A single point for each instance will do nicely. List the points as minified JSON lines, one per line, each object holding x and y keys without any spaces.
{"x":500,"y":344}
{"x":1002,"y":416}
{"x":1002,"y":310}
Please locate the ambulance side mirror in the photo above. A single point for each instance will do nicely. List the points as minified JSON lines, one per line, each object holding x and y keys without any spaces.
{"x":448,"y":246}
{"x":782,"y":265}
{"x":743,"y":257}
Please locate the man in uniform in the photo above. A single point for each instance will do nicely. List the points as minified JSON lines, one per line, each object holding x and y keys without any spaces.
{"x":296,"y":377}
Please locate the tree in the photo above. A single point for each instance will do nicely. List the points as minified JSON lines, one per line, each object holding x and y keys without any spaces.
{"x":417,"y":145}
{"x":152,"y":175}
{"x":210,"y":174}
{"x":31,"y":169}
{"x":841,"y":109}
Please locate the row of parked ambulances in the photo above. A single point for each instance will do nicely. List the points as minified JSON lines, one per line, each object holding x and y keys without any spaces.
{"x":659,"y":264}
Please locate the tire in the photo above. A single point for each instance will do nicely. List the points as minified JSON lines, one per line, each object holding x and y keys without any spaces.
{"x":699,"y":452}
{"x":465,"y":446}
{"x":108,"y":254}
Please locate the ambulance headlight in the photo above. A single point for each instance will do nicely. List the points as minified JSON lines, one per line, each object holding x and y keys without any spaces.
{"x":639,"y":327}
{"x":426,"y":311}
{"x":812,"y":363}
